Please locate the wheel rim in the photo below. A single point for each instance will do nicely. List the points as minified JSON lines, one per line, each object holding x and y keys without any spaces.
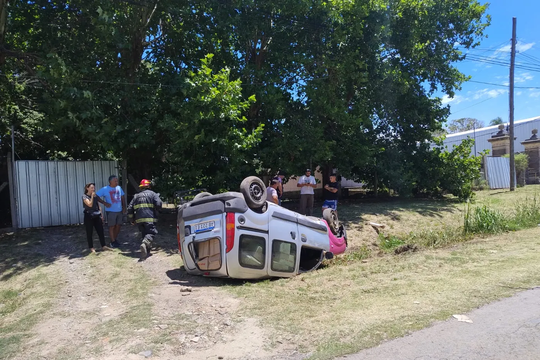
{"x":256,"y":192}
{"x":335,"y":220}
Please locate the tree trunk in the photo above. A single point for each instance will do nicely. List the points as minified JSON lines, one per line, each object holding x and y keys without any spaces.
{"x":3,"y":29}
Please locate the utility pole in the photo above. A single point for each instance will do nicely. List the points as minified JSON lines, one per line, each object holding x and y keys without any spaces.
{"x":13,"y":144}
{"x":512,"y":66}
{"x":474,"y":132}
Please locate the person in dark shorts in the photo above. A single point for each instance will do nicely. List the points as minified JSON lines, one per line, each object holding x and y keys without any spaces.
{"x":93,"y":218}
{"x":331,"y":194}
{"x":144,"y":208}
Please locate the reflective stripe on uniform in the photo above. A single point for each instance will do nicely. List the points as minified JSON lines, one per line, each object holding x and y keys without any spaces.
{"x":145,"y":220}
{"x":138,"y":206}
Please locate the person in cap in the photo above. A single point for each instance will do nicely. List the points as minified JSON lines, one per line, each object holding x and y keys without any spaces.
{"x":115,"y":196}
{"x":307,"y":184}
{"x":279,"y":179}
{"x":144,"y":208}
{"x":331,"y":194}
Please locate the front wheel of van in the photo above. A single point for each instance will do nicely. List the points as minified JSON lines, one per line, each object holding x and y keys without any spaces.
{"x":254,"y":192}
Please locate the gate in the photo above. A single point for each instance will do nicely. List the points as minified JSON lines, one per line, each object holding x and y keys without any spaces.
{"x":48,"y":193}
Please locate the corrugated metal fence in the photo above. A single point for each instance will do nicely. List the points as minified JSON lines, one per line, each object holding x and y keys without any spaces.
{"x":498,"y":172}
{"x":48,"y":193}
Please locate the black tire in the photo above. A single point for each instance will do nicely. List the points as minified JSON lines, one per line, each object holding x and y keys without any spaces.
{"x":331,"y":218}
{"x":254,"y":192}
{"x":201,"y":195}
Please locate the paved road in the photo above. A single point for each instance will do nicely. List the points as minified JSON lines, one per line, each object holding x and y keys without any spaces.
{"x":508,"y":329}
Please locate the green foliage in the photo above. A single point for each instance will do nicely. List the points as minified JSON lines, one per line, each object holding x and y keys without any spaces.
{"x":389,"y":242}
{"x":430,"y":172}
{"x":521,"y":163}
{"x":483,"y":220}
{"x":352,"y":255}
{"x":459,"y":169}
{"x":497,"y":121}
{"x":437,"y":238}
{"x":291,"y":83}
{"x":480,"y":184}
{"x":527,"y":214}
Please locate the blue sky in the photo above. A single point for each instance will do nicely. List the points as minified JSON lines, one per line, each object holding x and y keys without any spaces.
{"x":486,"y":102}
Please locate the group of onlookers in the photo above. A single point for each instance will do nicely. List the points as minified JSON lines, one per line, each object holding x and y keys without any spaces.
{"x":115,"y":204}
{"x":307,"y":185}
{"x":143,"y":207}
{"x":146,"y":203}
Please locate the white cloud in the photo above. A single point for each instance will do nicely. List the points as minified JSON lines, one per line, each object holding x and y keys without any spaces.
{"x":489,"y":93}
{"x":520,"y":47}
{"x":456,"y":99}
{"x":523,"y":78}
{"x":519,"y":93}
{"x":518,"y":79}
{"x":535,"y":94}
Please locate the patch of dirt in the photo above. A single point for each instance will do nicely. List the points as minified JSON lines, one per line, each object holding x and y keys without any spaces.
{"x":189,"y":317}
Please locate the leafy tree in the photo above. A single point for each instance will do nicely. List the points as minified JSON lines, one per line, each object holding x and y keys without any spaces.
{"x":497,"y":121}
{"x":346,"y":84}
{"x":464,"y":124}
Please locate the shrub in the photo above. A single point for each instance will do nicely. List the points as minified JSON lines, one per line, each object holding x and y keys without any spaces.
{"x":483,"y":220}
{"x":521,"y":162}
{"x":527,"y":214}
{"x":437,"y":238}
{"x":389,"y":242}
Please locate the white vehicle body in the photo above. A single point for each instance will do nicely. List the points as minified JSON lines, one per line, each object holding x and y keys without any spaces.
{"x":220,"y":236}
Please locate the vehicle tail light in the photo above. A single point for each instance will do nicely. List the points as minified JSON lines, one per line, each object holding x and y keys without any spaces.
{"x":230,"y":231}
{"x":178,"y":238}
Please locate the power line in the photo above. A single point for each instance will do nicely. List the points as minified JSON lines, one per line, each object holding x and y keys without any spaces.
{"x":502,"y":85}
{"x":478,"y":103}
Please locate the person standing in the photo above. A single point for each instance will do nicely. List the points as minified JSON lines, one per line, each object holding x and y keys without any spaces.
{"x":331,"y":194}
{"x":307,"y":184}
{"x":279,"y":178}
{"x":271,"y":192}
{"x":144,"y":207}
{"x":93,"y":218}
{"x":114,"y":195}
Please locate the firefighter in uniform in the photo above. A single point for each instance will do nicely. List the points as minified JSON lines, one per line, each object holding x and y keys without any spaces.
{"x":145,"y":206}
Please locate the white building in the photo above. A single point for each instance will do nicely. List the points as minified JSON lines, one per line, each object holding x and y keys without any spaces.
{"x":522,"y":131}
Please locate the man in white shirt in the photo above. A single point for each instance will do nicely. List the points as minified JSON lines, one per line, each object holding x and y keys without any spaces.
{"x":306,"y":183}
{"x":271,"y":192}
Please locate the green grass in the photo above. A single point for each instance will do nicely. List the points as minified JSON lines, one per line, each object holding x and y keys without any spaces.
{"x":343,"y":309}
{"x":24,"y":305}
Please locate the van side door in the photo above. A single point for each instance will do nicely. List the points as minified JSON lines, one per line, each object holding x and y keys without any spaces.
{"x":283,"y":242}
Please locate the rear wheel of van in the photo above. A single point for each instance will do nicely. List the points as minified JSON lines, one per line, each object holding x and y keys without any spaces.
{"x":201,"y":195}
{"x":254,"y":192}
{"x":330,"y":216}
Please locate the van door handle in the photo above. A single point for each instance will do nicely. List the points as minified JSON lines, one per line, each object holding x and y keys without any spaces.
{"x":293,"y":235}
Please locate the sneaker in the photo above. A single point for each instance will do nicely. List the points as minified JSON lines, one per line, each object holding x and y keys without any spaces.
{"x":115,"y":244}
{"x":144,"y":253}
{"x":106,"y":248}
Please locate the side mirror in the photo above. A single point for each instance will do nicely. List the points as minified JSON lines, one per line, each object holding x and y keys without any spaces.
{"x":329,"y":255}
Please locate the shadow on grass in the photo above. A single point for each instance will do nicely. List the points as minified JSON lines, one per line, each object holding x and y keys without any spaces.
{"x":355,"y":210}
{"x":26,"y":249}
